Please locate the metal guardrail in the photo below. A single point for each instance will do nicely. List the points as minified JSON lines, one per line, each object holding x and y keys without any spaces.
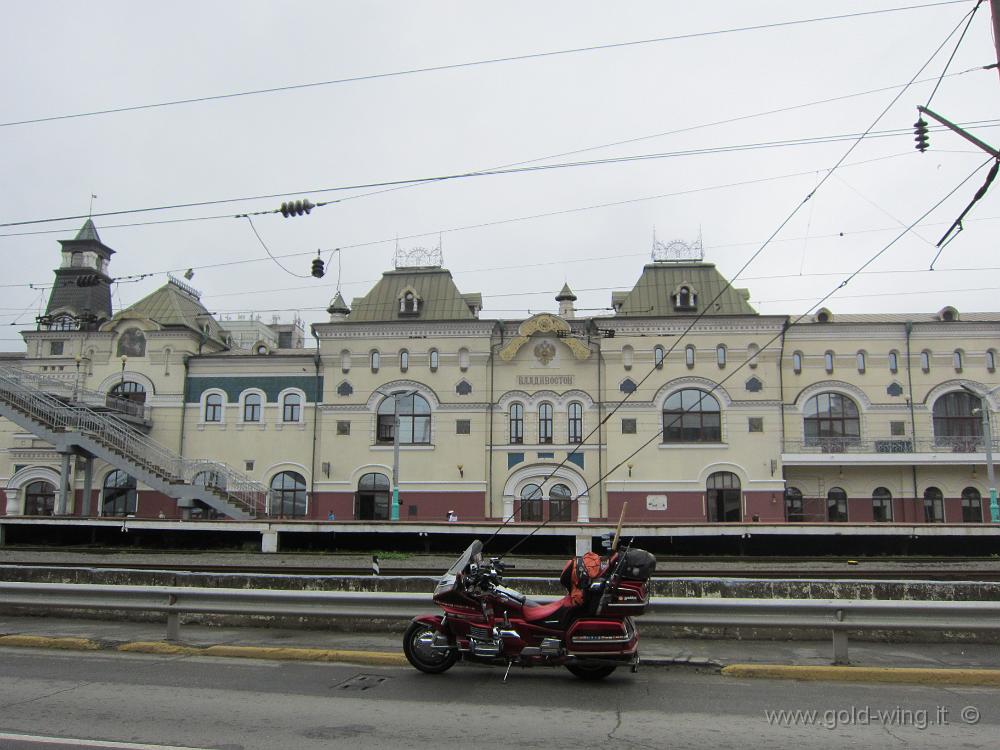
{"x":68,"y":387}
{"x":27,"y":395}
{"x":839,"y":616}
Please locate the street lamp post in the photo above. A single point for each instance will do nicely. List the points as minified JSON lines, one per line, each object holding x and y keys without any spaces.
{"x":76,"y":383}
{"x":124,"y":360}
{"x":394,"y":507}
{"x":988,"y":440}
{"x":984,"y":412}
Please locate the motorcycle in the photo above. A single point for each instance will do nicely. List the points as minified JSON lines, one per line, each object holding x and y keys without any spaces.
{"x":590,"y":631}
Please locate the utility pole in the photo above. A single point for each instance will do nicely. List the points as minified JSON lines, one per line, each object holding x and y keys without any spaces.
{"x":995,"y":10}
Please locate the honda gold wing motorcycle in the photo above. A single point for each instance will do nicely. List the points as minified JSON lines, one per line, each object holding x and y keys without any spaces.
{"x":590,"y":631}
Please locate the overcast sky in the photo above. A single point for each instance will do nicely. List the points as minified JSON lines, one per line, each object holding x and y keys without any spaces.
{"x":61,"y":58}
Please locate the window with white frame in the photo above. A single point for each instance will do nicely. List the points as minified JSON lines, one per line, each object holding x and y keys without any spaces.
{"x":575,"y":413}
{"x":213,"y":407}
{"x":252,"y":407}
{"x":291,"y":407}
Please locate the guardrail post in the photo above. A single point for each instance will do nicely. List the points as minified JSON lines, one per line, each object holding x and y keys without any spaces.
{"x":840,"y":647}
{"x":173,"y":620}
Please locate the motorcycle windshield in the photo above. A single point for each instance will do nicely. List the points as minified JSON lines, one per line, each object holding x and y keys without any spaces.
{"x":447,"y":582}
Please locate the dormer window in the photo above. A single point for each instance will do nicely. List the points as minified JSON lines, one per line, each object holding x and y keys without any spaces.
{"x":685,"y":298}
{"x":409,"y":303}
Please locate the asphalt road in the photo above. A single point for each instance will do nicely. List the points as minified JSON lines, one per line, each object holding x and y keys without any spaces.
{"x":231,"y":704}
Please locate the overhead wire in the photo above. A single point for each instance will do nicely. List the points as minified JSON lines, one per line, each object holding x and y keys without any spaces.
{"x":475,"y":63}
{"x":791,"y":142}
{"x":716,"y":386}
{"x":729,"y":282}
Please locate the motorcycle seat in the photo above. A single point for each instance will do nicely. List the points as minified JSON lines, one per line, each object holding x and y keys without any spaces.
{"x":550,"y":611}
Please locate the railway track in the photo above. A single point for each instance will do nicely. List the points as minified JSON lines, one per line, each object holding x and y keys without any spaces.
{"x":668,"y":569}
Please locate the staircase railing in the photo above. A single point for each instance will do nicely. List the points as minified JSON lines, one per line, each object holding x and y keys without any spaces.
{"x":121,"y":438}
{"x":71,"y":390}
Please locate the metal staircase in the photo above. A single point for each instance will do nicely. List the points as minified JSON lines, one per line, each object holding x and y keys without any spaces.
{"x":41,"y":406}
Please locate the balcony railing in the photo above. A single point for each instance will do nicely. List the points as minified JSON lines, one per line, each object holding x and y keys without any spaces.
{"x":853,"y":445}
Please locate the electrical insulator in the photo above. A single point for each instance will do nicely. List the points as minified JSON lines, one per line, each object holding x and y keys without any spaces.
{"x":317,"y":268}
{"x":296,"y":208}
{"x":920,"y":134}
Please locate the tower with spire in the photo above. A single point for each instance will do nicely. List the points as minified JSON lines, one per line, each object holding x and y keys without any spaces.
{"x":81,"y":295}
{"x":566,"y":298}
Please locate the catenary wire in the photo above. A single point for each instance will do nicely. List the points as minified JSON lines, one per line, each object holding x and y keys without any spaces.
{"x":745,"y":363}
{"x":475,"y":63}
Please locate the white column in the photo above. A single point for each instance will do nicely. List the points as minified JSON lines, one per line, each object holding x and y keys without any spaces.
{"x":508,"y":507}
{"x":13,"y":502}
{"x":583,"y":543}
{"x":583,"y":509}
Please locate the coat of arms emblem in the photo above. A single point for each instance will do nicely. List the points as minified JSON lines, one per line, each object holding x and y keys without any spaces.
{"x":545,"y":351}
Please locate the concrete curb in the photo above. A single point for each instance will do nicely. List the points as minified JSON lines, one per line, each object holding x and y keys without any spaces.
{"x":911,"y":675}
{"x":375,"y":658}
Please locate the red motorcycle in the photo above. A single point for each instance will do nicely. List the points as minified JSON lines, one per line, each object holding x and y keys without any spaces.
{"x":590,"y":631}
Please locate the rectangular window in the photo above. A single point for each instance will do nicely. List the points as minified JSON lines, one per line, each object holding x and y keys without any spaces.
{"x":343,"y":427}
{"x":628,"y":427}
{"x":463,"y":427}
{"x":755,"y":424}
{"x":411,"y":511}
{"x":56,"y":348}
{"x":248,"y":465}
{"x":897,"y":428}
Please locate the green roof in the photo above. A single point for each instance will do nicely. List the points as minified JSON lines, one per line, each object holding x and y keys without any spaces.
{"x":439,"y":298}
{"x":654,"y":294}
{"x":88,"y":232}
{"x":173,"y":306}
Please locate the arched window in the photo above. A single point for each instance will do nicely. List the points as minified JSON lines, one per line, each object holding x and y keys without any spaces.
{"x":120,"y":497}
{"x":434,"y":358}
{"x":531,"y":503}
{"x":689,"y":356}
{"x":797,"y":362}
{"x":831,"y":422}
{"x":213,"y":407}
{"x":516,"y":423}
{"x":794,"y":510}
{"x":836,"y":505}
{"x":752,"y":351}
{"x":893,"y":361}
{"x":691,"y":416}
{"x":881,"y":504}
{"x":933,"y":505}
{"x":685,"y":299}
{"x":575,"y":413}
{"x":991,"y":360}
{"x":128,"y":391}
{"x":560,"y":503}
{"x":345,"y":361}
{"x":958,"y":422}
{"x":291,"y":408}
{"x":828,"y":361}
{"x":372,"y":499}
{"x":414,"y":420}
{"x":720,"y":355}
{"x":658,"y":356}
{"x":252,"y":405}
{"x":956,"y":360}
{"x":375,"y":360}
{"x":132,"y":343}
{"x":288,"y":495}
{"x":925,"y":360}
{"x":628,"y":356}
{"x":64,"y":323}
{"x":40,"y":499}
{"x":463,"y":359}
{"x":862,"y":364}
{"x":409,"y":304}
{"x":404,"y":360}
{"x":545,"y":422}
{"x":723,"y":497}
{"x":972,"y":505}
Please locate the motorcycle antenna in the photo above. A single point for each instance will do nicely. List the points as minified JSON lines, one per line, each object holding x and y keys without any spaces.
{"x":618,"y":529}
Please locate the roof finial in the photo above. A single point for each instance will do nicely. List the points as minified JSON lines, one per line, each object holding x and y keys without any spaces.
{"x":90,"y":211}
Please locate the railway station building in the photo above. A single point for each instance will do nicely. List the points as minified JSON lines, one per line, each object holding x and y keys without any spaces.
{"x":682,"y":402}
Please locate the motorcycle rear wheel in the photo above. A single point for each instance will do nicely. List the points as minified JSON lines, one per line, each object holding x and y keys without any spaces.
{"x":422,"y":655}
{"x":586,"y":671}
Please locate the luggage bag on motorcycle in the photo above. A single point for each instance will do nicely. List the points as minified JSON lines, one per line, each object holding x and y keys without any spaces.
{"x":631,"y":595}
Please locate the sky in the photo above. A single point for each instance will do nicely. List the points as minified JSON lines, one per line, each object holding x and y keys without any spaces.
{"x":688,"y":85}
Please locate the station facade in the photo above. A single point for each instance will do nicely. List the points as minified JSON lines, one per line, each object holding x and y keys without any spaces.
{"x":682,"y":402}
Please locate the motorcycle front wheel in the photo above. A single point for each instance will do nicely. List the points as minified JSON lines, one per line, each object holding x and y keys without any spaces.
{"x":586,"y":671}
{"x":420,"y":652}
